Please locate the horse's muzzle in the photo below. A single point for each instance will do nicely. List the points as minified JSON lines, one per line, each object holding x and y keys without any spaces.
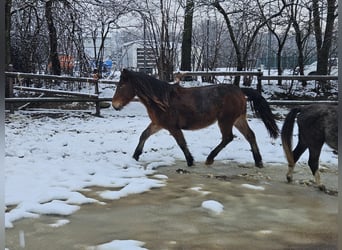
{"x":117,"y":106}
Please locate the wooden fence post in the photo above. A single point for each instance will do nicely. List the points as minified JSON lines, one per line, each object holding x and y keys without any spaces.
{"x":259,"y":87}
{"x":10,"y":88}
{"x":97,"y":103}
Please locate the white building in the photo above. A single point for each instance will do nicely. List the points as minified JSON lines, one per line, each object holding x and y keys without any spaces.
{"x":137,"y":56}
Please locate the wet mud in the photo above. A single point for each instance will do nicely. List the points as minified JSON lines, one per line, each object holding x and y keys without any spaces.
{"x":268,"y":213}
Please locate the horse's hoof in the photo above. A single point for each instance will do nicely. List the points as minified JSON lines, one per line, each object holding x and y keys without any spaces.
{"x":190,"y":160}
{"x":136,"y":157}
{"x":190,"y":163}
{"x":209,"y":162}
{"x":289,"y":178}
{"x":259,"y":164}
{"x":322,"y":188}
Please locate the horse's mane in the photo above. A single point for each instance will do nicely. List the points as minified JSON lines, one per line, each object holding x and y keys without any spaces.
{"x":150,"y":88}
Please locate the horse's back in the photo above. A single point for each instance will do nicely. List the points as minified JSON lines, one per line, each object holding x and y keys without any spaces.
{"x":198,"y":107}
{"x":318,"y":123}
{"x":331,"y":127}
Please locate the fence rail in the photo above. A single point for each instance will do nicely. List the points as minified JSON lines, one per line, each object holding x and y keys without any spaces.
{"x":55,"y":99}
{"x":180,"y":74}
{"x":75,"y":96}
{"x":300,"y":77}
{"x":57,"y":92}
{"x":84,"y":97}
{"x":94,"y":80}
{"x":298,"y":102}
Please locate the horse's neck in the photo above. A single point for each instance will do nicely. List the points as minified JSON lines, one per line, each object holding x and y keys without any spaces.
{"x":152,"y":104}
{"x":155,"y":98}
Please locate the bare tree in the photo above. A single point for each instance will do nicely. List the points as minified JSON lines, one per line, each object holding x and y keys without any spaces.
{"x":301,"y":17}
{"x":162,"y":32}
{"x":8,"y":61}
{"x":324,"y":35}
{"x":210,"y":47}
{"x":168,"y":38}
{"x":28,"y":42}
{"x":187,"y":35}
{"x":53,"y":55}
{"x":8,"y":6}
{"x":279,"y":27}
{"x":102,"y":17}
{"x":243,"y":20}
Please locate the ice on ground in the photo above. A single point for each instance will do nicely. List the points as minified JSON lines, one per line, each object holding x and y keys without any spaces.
{"x":120,"y":245}
{"x":254,"y":187}
{"x":59,"y":223}
{"x":213,"y":206}
{"x":160,"y":176}
{"x":54,"y":207}
{"x":199,"y":189}
{"x":136,"y":186}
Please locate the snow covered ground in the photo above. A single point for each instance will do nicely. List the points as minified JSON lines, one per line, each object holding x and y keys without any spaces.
{"x":49,"y":160}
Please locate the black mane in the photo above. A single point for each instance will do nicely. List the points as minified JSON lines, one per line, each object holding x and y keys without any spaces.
{"x":149,"y":88}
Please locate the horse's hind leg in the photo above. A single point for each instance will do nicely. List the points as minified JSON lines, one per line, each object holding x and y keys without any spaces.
{"x":150,"y":130}
{"x":227,"y":136}
{"x":242,"y":125}
{"x":314,"y":153}
{"x":178,"y":135}
{"x":297,"y":152}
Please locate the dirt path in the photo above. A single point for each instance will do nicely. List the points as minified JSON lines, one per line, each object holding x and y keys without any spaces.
{"x":282,"y":216}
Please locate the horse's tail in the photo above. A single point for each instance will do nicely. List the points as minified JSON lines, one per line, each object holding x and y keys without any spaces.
{"x":286,"y":134}
{"x":262,"y":108}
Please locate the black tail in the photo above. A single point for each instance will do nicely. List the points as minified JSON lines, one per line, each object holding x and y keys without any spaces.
{"x":261,"y":107}
{"x":287,"y":132}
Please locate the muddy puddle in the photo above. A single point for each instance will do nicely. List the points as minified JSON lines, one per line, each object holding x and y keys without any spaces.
{"x":267,"y":214}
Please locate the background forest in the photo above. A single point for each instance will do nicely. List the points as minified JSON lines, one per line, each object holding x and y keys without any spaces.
{"x":46,"y":35}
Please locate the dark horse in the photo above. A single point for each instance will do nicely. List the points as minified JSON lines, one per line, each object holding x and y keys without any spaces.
{"x":174,"y":108}
{"x":317,"y":124}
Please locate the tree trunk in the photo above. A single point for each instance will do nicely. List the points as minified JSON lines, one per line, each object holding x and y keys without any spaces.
{"x":299,"y":43}
{"x":8,"y":5}
{"x":53,"y":56}
{"x":187,"y":34}
{"x":323,"y":41}
{"x":239,"y":65}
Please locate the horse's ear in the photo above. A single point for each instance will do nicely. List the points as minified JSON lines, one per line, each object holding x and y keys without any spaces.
{"x":124,"y":73}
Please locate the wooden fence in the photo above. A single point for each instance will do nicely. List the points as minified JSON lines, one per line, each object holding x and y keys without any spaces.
{"x":62,"y":96}
{"x":260,"y":78}
{"x":72,"y":96}
{"x":259,"y":74}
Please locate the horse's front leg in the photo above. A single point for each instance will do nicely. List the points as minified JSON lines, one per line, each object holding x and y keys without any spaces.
{"x":150,"y":130}
{"x":178,"y":135}
{"x":227,"y":136}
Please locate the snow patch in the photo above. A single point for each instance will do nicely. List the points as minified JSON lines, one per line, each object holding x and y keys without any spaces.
{"x":213,"y":206}
{"x":120,"y":245}
{"x":249,"y":186}
{"x":199,"y":189}
{"x":59,"y":223}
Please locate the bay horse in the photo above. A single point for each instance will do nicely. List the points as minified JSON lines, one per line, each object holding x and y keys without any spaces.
{"x":173,"y":107}
{"x":317,"y":124}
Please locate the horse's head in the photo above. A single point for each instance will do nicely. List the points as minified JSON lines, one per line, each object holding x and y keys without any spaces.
{"x":125,"y":91}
